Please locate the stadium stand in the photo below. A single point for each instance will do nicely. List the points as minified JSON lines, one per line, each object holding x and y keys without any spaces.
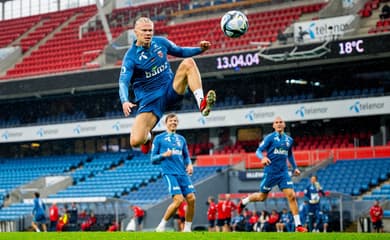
{"x":344,"y":152}
{"x":352,"y":177}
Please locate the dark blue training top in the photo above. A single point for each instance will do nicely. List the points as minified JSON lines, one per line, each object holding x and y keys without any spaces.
{"x":147,"y":69}
{"x":279,"y":149}
{"x":175,"y":164}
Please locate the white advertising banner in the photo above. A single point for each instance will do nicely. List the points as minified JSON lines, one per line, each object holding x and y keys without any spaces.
{"x":219,"y":118}
{"x":133,"y":3}
{"x":322,"y":29}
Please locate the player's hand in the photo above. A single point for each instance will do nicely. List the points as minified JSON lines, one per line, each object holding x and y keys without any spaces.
{"x":265,"y":161}
{"x":126,"y":107}
{"x":296,"y":172}
{"x":190,"y":169}
{"x":204,"y":45}
{"x":167,"y":153}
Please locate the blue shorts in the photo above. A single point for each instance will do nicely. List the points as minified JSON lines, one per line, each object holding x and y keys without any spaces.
{"x":159,"y":105}
{"x":179,"y":184}
{"x":39,"y":218}
{"x":283,"y":181}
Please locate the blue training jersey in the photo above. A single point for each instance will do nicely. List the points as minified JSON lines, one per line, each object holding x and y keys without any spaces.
{"x":175,"y":164}
{"x":279,"y":149}
{"x":312,"y":193}
{"x":39,"y":207}
{"x":147,"y":69}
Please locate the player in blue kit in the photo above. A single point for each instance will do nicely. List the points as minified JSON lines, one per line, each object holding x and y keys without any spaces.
{"x":170,"y":150}
{"x":146,"y":69}
{"x":278,"y":147}
{"x":313,"y":193}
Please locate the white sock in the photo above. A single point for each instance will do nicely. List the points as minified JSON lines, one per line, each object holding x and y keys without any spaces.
{"x":38,"y":230}
{"x":163,"y":223}
{"x":187,"y":226}
{"x":198,"y":94}
{"x":149,"y":136}
{"x":297,"y":220}
{"x":245,"y":201}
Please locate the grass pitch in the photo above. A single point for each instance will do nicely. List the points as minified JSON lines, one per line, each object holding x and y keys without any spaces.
{"x":188,"y":236}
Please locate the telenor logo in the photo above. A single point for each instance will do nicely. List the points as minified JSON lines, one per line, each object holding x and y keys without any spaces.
{"x":5,"y":135}
{"x":355,"y":107}
{"x":116,"y":126}
{"x":202,"y":120}
{"x":359,"y":107}
{"x":250,"y":116}
{"x":300,"y":111}
{"x":40,"y":132}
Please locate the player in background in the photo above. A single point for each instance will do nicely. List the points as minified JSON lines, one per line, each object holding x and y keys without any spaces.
{"x":138,"y":215}
{"x":228,"y":208}
{"x":376,"y":214}
{"x":181,"y":216}
{"x":39,"y":213}
{"x":170,"y":150}
{"x":146,"y":69}
{"x":278,"y":146}
{"x":220,"y":214}
{"x":313,"y":194}
{"x":211,"y":213}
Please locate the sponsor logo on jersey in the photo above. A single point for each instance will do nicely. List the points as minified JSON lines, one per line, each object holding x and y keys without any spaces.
{"x":156,"y":70}
{"x":142,"y":56}
{"x":176,"y":152}
{"x":280,"y":151}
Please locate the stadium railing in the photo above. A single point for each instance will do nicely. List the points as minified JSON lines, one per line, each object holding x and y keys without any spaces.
{"x":303,"y":158}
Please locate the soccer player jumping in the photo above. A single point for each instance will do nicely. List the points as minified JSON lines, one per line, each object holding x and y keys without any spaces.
{"x":145,"y":67}
{"x":278,"y":147}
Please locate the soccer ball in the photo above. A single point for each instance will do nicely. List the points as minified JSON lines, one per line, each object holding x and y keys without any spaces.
{"x":234,"y":24}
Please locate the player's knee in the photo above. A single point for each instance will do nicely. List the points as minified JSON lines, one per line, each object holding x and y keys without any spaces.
{"x":191,"y":199}
{"x":291,"y":197}
{"x":189,"y":63}
{"x":136,"y":141}
{"x":177,"y":200}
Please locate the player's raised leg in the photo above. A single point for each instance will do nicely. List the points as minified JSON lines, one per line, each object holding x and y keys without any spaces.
{"x":188,"y":74}
{"x":140,"y":131}
{"x":254,"y":197}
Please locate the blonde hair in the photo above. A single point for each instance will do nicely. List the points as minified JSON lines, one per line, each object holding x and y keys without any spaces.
{"x":143,"y":20}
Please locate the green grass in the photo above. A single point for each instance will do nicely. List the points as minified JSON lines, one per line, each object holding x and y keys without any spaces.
{"x":188,"y":236}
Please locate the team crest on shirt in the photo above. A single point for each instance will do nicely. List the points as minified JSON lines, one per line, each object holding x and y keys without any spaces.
{"x":160,"y":54}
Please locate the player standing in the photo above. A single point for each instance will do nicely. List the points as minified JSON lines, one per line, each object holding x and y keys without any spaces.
{"x":170,"y":150}
{"x":278,"y":147}
{"x":145,"y":67}
{"x":211,"y":213}
{"x":312,"y":194}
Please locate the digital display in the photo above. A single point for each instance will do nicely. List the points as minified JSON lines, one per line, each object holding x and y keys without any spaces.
{"x":349,"y":47}
{"x":237,"y":61}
